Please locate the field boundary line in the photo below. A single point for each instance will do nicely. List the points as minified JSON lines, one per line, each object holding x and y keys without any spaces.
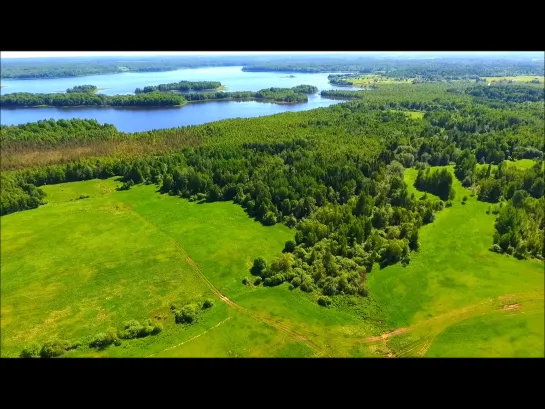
{"x":191,"y":339}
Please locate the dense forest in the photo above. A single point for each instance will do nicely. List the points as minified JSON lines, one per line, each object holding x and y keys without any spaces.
{"x":430,"y":70}
{"x":333,"y":174}
{"x":296,"y":94}
{"x":76,"y":67}
{"x":183,"y":86}
{"x":82,"y":89}
{"x":440,"y":68}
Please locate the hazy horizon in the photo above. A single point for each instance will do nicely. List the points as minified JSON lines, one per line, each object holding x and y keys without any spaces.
{"x":74,"y":54}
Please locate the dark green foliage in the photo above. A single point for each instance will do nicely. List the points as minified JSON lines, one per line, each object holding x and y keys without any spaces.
{"x":126,"y":185}
{"x":103,"y":340}
{"x":82,"y":89}
{"x":259,"y":267}
{"x":289,"y":247}
{"x":508,"y":92}
{"x":18,"y":195}
{"x":305,"y":89}
{"x":187,"y":315}
{"x":157,"y":328}
{"x":437,"y":182}
{"x":131,"y":329}
{"x":25,"y":99}
{"x":180,"y":86}
{"x":208,"y":303}
{"x":32,"y":351}
{"x":324,"y":301}
{"x":52,"y":349}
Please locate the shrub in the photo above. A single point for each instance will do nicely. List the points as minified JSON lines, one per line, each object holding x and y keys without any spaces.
{"x":277,"y":279}
{"x":72,"y":345}
{"x":52,"y":349}
{"x":131,"y":330}
{"x":258,"y":281}
{"x":186,"y":315}
{"x":157,"y":328}
{"x":208,"y":303}
{"x":448,"y":204}
{"x":32,"y":351}
{"x":146,"y":329}
{"x":259,"y":267}
{"x":269,"y":219}
{"x":307,"y":285}
{"x":245,"y":281}
{"x":496,"y":248}
{"x":296,"y":282}
{"x":127,"y":185}
{"x":289,"y":247}
{"x":464,"y":199}
{"x":324,"y":301}
{"x":100,"y":341}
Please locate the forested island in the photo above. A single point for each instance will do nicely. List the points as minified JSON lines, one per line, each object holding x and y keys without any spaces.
{"x":183,"y":86}
{"x":297,"y":94}
{"x":82,"y":89}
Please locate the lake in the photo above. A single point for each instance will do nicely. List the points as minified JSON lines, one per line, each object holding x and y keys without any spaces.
{"x":143,"y":119}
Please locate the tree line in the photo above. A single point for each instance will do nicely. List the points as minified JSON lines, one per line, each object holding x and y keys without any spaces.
{"x":25,"y":99}
{"x":296,"y":94}
{"x":183,"y":86}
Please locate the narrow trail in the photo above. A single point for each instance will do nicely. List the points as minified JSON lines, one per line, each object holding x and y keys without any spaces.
{"x":191,"y":339}
{"x":279,"y":326}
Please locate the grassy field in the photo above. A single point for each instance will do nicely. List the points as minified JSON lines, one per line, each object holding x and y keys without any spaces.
{"x":411,"y":114}
{"x":366,"y":80}
{"x":520,"y":78}
{"x":452,"y":278}
{"x":75,"y":267}
{"x":93,"y":263}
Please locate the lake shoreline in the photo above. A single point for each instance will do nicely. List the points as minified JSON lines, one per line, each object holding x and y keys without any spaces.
{"x":138,"y":118}
{"x":263,"y":100}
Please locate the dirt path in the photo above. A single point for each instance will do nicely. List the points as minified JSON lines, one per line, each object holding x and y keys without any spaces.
{"x":279,"y":326}
{"x":444,"y":321}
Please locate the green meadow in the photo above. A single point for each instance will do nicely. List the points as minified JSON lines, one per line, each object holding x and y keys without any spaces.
{"x":453,"y":277}
{"x":80,"y":265}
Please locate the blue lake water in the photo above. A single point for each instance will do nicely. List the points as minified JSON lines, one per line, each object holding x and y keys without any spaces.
{"x":143,"y":119}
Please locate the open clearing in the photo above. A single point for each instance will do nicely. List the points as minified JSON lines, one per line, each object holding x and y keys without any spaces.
{"x":520,"y":78}
{"x":76,"y":267}
{"x":454,"y":277}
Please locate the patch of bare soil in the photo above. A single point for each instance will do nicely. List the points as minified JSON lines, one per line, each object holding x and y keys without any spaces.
{"x":510,"y":307}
